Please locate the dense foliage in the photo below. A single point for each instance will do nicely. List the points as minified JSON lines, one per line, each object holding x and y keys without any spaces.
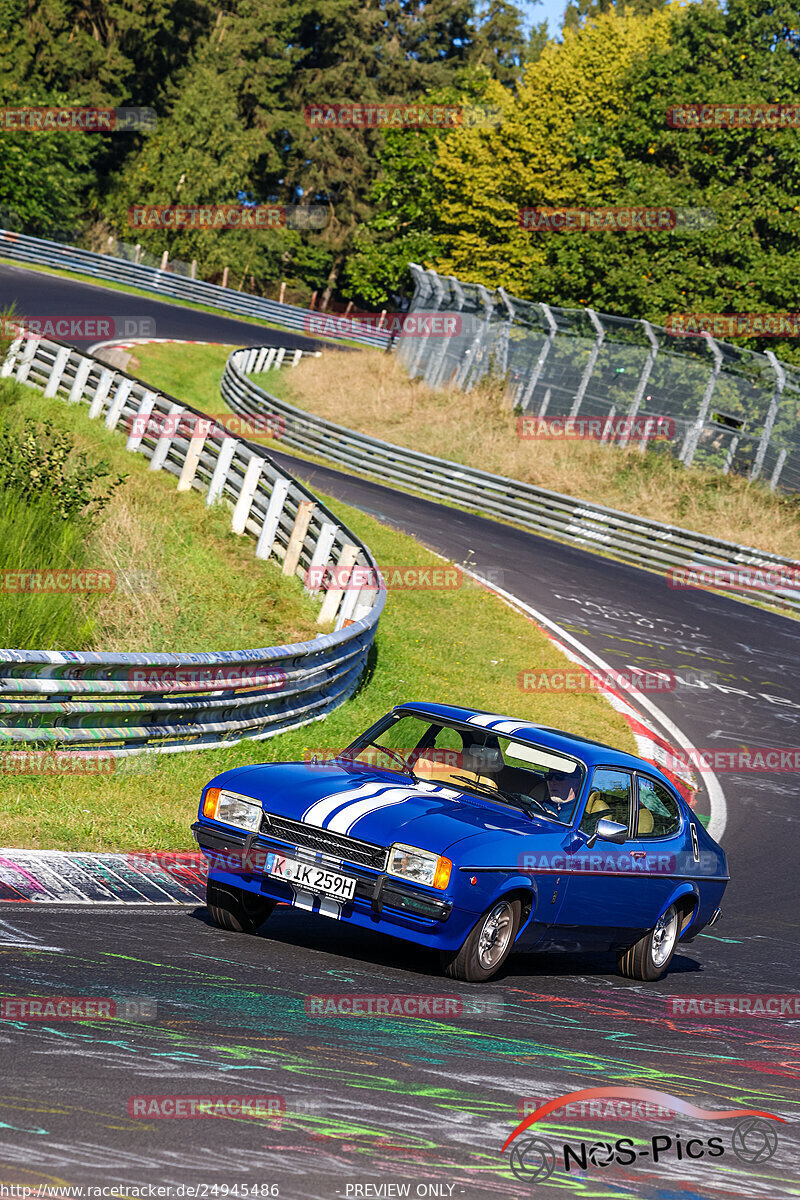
{"x":577,"y":121}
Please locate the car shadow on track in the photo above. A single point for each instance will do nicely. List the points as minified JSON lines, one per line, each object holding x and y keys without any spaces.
{"x":294,"y":930}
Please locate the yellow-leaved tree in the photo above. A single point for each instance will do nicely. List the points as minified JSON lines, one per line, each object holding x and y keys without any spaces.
{"x":550,"y":149}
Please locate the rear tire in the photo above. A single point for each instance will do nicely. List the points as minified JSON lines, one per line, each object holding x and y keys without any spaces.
{"x":235,"y":909}
{"x":648,"y":959}
{"x":488,"y":944}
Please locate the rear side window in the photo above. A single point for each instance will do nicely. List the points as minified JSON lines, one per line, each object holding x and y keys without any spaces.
{"x":659,"y":815}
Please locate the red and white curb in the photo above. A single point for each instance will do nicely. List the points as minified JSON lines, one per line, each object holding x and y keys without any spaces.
{"x":130,"y":343}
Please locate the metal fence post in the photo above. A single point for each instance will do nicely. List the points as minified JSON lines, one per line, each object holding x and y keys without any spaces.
{"x":441,"y":358}
{"x":692,"y":439}
{"x":774,"y":404}
{"x":466,"y":377}
{"x":638,"y":395}
{"x":417,"y":352}
{"x":527,"y":395}
{"x":506,"y":334}
{"x":587,"y":374}
{"x":432,"y":359}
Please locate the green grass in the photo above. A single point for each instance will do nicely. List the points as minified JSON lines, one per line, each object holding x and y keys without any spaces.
{"x":462,"y":646}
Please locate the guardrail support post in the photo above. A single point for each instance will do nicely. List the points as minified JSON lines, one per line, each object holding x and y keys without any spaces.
{"x":118,"y":403}
{"x":107,"y":377}
{"x":334,"y":595}
{"x":193,"y":455}
{"x":272,"y":517}
{"x":26,"y":359}
{"x":590,"y":365}
{"x":161,"y":449}
{"x":774,"y":404}
{"x":305,"y":511}
{"x":692,"y":438}
{"x":322,"y":552}
{"x":245,"y":502}
{"x":79,"y":382}
{"x":223,"y":465}
{"x":140,"y":421}
{"x":638,"y":395}
{"x":59,"y":366}
{"x":11,"y":358}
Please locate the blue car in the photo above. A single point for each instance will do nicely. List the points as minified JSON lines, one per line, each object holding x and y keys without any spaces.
{"x":470,"y":833}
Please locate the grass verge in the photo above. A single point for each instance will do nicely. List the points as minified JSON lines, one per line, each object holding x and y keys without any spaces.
{"x":185,"y":583}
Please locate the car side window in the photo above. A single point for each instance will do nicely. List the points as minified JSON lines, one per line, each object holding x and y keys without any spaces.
{"x":609,"y":799}
{"x":658,"y":815}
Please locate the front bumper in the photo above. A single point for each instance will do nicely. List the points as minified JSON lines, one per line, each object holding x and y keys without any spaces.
{"x":233,"y":853}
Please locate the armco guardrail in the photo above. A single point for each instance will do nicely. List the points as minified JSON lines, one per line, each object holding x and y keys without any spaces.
{"x":636,"y":540}
{"x":22,"y":248}
{"x":87,"y":700}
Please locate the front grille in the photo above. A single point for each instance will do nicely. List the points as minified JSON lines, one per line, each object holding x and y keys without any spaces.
{"x":312,"y":838}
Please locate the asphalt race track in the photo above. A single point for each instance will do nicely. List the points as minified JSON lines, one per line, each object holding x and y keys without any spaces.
{"x":40,"y":295}
{"x":426,"y":1104}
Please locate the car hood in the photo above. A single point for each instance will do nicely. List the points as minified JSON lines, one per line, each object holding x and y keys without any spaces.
{"x":380,"y":806}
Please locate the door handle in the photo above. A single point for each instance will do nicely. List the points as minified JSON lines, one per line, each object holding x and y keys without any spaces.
{"x":638,"y":853}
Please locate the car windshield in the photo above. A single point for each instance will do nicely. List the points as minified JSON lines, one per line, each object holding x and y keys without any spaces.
{"x":539,"y":781}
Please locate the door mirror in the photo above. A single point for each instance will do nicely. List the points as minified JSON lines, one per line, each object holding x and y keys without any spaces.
{"x":609,"y":831}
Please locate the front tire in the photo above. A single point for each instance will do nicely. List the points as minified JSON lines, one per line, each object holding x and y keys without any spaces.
{"x":235,"y":909}
{"x":488,"y":944}
{"x":648,"y":959}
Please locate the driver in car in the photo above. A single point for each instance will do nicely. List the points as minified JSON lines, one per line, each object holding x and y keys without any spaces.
{"x":558,"y":789}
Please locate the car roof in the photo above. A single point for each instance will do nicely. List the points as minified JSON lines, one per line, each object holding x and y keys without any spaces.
{"x":591,"y":752}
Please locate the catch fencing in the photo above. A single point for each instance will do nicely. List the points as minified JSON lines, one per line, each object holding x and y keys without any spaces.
{"x":727,"y":408}
{"x":123,"y":703}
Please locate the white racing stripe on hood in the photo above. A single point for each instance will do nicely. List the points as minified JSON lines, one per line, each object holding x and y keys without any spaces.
{"x":344,"y":821}
{"x":496,"y":724}
{"x":323,"y":808}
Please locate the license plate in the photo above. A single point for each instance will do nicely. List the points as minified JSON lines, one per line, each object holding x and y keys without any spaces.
{"x":312,"y":878}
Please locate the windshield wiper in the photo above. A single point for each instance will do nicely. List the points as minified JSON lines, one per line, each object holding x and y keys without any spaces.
{"x":515,"y":798}
{"x":397,"y":756}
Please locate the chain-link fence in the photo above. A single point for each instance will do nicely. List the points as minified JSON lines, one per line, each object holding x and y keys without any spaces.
{"x":711,"y":403}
